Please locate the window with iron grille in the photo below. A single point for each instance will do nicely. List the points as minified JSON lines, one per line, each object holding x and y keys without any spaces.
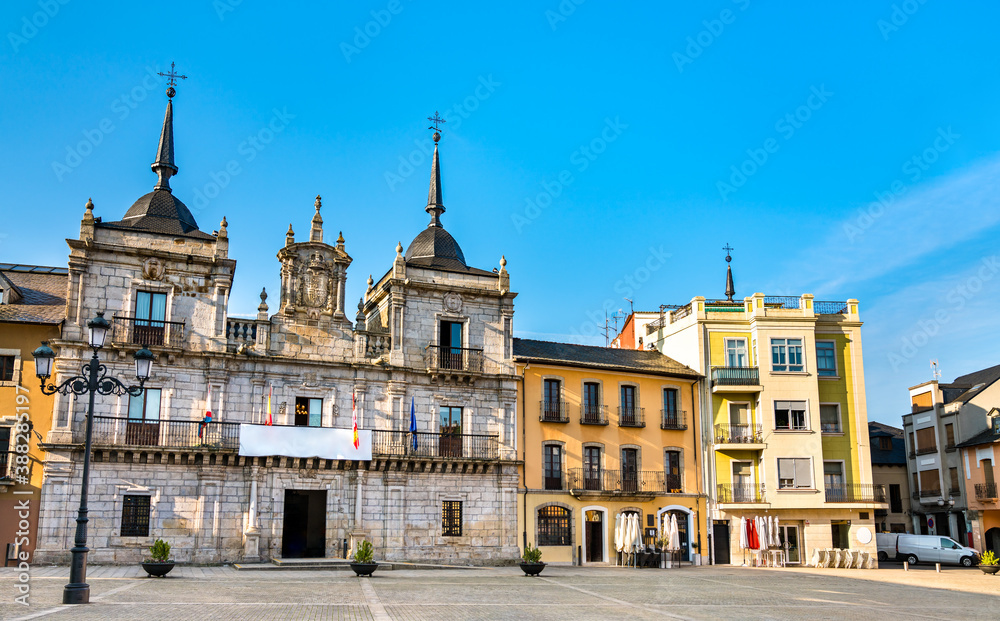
{"x":135,"y":516}
{"x":6,"y":368}
{"x":451,"y":518}
{"x":553,"y":526}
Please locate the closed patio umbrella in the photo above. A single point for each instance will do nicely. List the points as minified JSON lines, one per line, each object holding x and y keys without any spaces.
{"x":743,"y":533}
{"x":675,"y":534}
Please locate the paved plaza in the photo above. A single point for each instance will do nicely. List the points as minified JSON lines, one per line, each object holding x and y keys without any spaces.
{"x":570,"y":593}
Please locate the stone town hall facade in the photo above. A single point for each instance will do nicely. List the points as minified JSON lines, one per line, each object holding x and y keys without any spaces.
{"x":433,"y":334}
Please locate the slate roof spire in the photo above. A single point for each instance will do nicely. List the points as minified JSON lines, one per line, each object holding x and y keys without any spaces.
{"x":730,"y":288}
{"x":164,"y":166}
{"x":434,"y":205}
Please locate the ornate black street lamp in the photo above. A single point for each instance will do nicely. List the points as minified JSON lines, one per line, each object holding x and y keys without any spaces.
{"x":94,"y":380}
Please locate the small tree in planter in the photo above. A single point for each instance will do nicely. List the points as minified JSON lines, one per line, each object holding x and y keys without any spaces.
{"x":531,"y":561}
{"x":363,"y":562}
{"x":988,"y":562}
{"x":159,"y":564}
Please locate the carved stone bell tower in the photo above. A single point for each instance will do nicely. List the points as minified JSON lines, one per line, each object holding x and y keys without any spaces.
{"x":313,"y":276}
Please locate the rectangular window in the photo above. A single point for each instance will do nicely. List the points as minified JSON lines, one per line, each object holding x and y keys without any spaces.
{"x":913,"y":446}
{"x":953,"y":474}
{"x":551,"y":399}
{"x":736,"y":353}
{"x":592,"y":411}
{"x":949,"y":435}
{"x":628,"y":398}
{"x":135,"y":516}
{"x":553,"y":467}
{"x":885,"y":443}
{"x":790,"y":415}
{"x":7,"y":368}
{"x":451,"y":518}
{"x":506,"y":337}
{"x":150,"y":313}
{"x":553,"y":526}
{"x":794,"y":473}
{"x":672,"y":470}
{"x":630,"y":470}
{"x":629,"y":414}
{"x":826,"y":359}
{"x":592,"y":467}
{"x":450,"y":350}
{"x":829,"y":418}
{"x":930,"y":483}
{"x":895,"y":498}
{"x":670,"y":402}
{"x":308,"y":412}
{"x":833,"y":475}
{"x":145,"y":407}
{"x":926,"y":442}
{"x":786,"y":355}
{"x":451,"y":420}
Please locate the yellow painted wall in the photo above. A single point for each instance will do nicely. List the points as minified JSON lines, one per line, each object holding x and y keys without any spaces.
{"x":24,"y":337}
{"x":840,"y":391}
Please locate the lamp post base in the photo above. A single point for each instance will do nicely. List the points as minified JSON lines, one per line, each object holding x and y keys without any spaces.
{"x":76,"y":593}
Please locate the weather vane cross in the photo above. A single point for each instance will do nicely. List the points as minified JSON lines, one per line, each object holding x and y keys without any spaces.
{"x":436,"y":120}
{"x":171,"y":79}
{"x":728,"y":249}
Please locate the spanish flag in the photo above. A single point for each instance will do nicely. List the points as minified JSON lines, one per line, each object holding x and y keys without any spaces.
{"x":354,"y":417}
{"x":270,"y":389}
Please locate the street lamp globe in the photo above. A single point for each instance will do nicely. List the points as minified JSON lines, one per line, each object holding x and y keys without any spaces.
{"x":143,"y":364}
{"x":43,"y":361}
{"x":98,"y":327}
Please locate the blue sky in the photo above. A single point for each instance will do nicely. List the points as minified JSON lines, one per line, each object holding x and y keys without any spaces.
{"x":846,"y":150}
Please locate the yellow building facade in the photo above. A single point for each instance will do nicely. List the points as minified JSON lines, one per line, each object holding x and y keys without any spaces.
{"x":32,"y":307}
{"x":605,"y":432}
{"x":786,"y":422}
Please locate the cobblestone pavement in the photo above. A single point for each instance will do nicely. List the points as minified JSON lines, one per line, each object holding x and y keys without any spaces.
{"x":222,"y":593}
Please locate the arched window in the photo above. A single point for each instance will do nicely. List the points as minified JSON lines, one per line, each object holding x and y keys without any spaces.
{"x":553,"y":526}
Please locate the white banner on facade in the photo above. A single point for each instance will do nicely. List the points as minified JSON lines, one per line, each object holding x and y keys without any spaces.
{"x":322,"y":442}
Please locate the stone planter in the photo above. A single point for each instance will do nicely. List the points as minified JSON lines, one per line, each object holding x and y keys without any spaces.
{"x":990,"y":569}
{"x":532,"y":569}
{"x":364,"y":569}
{"x":157,"y":569}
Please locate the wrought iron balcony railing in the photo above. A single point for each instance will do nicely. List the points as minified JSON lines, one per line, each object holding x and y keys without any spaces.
{"x":127,"y":329}
{"x":623,"y":481}
{"x":631,"y":417}
{"x":673,"y":419}
{"x":7,"y":461}
{"x":930,"y":493}
{"x":986,"y":492}
{"x":388,"y":443}
{"x":443,"y":358}
{"x":553,"y":411}
{"x":593,"y":414}
{"x":728,"y":492}
{"x":735,"y":376}
{"x":829,"y":308}
{"x":738,"y":434}
{"x":125,"y":432}
{"x":855,"y":493}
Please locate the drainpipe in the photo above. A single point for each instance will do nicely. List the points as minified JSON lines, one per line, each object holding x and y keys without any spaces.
{"x":697,"y":449}
{"x":524,"y":459}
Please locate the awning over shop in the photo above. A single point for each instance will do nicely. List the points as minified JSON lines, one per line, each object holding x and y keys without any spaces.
{"x":322,"y":442}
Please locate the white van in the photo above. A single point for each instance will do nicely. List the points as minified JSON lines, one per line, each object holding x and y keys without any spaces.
{"x":934,"y":549}
{"x":886,"y":543}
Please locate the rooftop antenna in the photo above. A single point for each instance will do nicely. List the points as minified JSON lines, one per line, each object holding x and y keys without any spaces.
{"x":631,"y":308}
{"x":606,"y":331}
{"x":935,"y":370}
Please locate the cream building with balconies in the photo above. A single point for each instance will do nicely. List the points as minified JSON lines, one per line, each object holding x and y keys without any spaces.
{"x":784,"y":418}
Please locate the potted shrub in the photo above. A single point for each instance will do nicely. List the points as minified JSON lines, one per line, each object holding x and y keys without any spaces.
{"x":988,"y":562}
{"x":363,"y":562}
{"x":531,"y":561}
{"x":159,"y":564}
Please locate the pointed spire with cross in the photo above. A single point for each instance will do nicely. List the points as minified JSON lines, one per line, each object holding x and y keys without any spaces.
{"x":435,"y":206}
{"x":730,"y":288}
{"x":171,"y":79}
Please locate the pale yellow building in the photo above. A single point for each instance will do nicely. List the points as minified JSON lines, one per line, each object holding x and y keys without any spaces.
{"x":606,"y":432}
{"x":785,"y":419}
